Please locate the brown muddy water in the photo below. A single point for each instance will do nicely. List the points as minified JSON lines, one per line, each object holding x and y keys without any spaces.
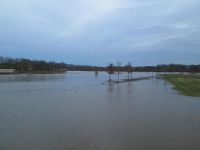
{"x":81,"y":111}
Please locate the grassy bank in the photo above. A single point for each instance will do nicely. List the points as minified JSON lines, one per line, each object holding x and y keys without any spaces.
{"x":188,"y":85}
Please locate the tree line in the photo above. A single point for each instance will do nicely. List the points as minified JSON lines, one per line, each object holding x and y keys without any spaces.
{"x":169,"y":68}
{"x":159,"y":68}
{"x":27,"y":65}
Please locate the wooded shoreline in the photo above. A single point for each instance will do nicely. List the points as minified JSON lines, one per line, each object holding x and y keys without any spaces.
{"x":39,"y":66}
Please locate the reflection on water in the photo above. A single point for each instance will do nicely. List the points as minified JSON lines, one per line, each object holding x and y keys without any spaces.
{"x":96,"y":73}
{"x":130,"y":85}
{"x":31,"y":77}
{"x":82,"y":110}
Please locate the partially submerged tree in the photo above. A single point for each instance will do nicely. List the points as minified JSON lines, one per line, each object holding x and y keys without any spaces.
{"x":129,"y":69}
{"x":110,"y":70}
{"x":118,"y":69}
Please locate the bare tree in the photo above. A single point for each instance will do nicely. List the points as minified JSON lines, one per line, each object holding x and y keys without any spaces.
{"x":110,"y":70}
{"x":1,"y":58}
{"x":129,"y":69}
{"x":118,"y":69}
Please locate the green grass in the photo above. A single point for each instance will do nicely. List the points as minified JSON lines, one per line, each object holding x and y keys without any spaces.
{"x":188,"y":85}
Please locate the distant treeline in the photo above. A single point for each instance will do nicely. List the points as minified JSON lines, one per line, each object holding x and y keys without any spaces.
{"x":72,"y":67}
{"x":169,"y":68}
{"x":27,"y":65}
{"x":159,"y":68}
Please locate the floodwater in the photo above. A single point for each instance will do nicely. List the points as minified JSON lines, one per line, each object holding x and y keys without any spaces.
{"x":82,"y":111}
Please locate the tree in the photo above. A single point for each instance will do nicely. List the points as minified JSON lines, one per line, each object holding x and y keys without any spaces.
{"x":118,"y":69}
{"x":1,"y":60}
{"x":110,"y":70}
{"x":129,"y":69}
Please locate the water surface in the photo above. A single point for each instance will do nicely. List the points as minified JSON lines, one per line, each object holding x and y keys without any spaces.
{"x":82,"y":111}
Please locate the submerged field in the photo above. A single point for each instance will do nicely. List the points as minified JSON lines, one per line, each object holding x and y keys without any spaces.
{"x":188,"y":85}
{"x":82,"y":111}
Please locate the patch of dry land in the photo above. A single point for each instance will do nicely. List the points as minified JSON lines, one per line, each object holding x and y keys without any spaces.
{"x":188,"y":85}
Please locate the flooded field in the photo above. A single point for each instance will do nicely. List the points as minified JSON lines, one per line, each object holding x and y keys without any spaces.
{"x":82,"y":111}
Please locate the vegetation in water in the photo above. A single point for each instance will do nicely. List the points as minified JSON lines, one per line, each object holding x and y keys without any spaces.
{"x":188,"y":85}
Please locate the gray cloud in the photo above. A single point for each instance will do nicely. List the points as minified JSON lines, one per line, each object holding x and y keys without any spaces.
{"x":95,"y":32}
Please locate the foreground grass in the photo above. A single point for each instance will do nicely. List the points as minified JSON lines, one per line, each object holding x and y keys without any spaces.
{"x":188,"y":85}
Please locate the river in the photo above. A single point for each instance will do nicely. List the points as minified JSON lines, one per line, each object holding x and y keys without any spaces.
{"x":82,"y":111}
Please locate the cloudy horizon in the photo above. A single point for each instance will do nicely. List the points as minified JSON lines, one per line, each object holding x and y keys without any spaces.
{"x":101,"y":31}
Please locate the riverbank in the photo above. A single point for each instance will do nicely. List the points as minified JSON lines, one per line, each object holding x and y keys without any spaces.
{"x":188,"y":85}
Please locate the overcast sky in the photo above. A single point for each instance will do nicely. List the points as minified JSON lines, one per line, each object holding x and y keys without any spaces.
{"x":98,"y":32}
